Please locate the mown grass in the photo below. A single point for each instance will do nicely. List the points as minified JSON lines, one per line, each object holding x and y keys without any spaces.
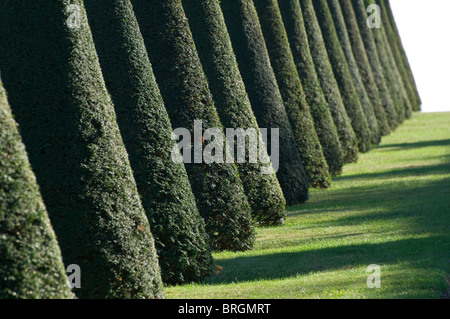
{"x":392,"y":209}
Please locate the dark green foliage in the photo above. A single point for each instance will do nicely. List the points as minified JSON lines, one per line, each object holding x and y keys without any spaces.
{"x":323,"y":121}
{"x":217,"y":187}
{"x":362,"y":60}
{"x":166,"y":194}
{"x":388,"y":65}
{"x":254,"y":63}
{"x":233,"y":105}
{"x":68,"y":123}
{"x":374,"y":60}
{"x":328,"y":82}
{"x":30,"y":260}
{"x":292,"y":93}
{"x":344,"y":39}
{"x":398,"y":51}
{"x":343,"y":76}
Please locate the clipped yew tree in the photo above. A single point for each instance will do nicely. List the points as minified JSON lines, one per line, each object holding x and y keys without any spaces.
{"x":398,"y":52}
{"x":362,"y":60}
{"x":217,"y":186}
{"x":68,"y":124}
{"x":343,"y":76}
{"x":30,"y":259}
{"x":400,"y":55}
{"x":166,"y":194}
{"x":329,"y":84}
{"x":233,"y":105}
{"x":366,"y":103}
{"x":374,"y":60}
{"x":254,"y":63}
{"x":389,"y":70}
{"x":323,"y":120}
{"x":291,"y":90}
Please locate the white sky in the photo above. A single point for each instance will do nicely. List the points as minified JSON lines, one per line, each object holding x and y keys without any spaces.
{"x":424,"y":26}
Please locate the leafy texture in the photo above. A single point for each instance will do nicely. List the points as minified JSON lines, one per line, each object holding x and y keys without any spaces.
{"x":323,"y":121}
{"x":254,"y":63}
{"x":166,"y":194}
{"x":343,"y":76}
{"x":366,"y":103}
{"x":399,"y":53}
{"x":362,"y":60}
{"x":217,"y":187}
{"x":292,"y":92}
{"x":30,"y":259}
{"x":68,"y":123}
{"x":233,"y":105}
{"x":372,"y":54}
{"x":329,"y":84}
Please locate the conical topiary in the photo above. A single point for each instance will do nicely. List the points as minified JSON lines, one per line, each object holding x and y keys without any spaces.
{"x":344,"y":40}
{"x":323,"y":121}
{"x":217,"y":187}
{"x":230,"y":97}
{"x":362,"y":59}
{"x":388,"y":66}
{"x":30,"y":260}
{"x":166,"y":194}
{"x":68,"y":124}
{"x":292,"y":93}
{"x":343,"y":76}
{"x":254,"y":63}
{"x":328,"y":82}
{"x":401,"y":57}
{"x":372,"y":53}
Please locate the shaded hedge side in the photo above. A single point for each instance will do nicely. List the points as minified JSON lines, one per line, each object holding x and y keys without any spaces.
{"x":366,"y":103}
{"x":30,"y":259}
{"x":217,"y":187}
{"x":362,"y":59}
{"x":254,"y":63}
{"x":343,"y":76}
{"x":398,"y":51}
{"x":233,"y":105}
{"x":323,"y":120}
{"x":328,"y":82}
{"x":68,"y":124}
{"x":163,"y":185}
{"x":292,"y":92}
{"x":374,"y":59}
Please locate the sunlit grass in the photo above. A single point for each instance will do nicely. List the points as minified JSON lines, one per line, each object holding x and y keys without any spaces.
{"x":392,"y":208}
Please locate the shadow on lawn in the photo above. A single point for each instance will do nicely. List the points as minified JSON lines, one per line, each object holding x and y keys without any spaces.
{"x":416,"y":144}
{"x":423,"y":208}
{"x":288,"y":264}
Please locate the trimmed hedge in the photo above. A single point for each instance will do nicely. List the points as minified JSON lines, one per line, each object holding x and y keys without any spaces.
{"x":166,"y":195}
{"x":217,"y":187}
{"x":328,"y":82}
{"x":292,"y":93}
{"x":323,"y":121}
{"x":362,"y":60}
{"x":30,"y":259}
{"x":343,"y":76}
{"x":372,"y":53}
{"x":341,"y":30}
{"x":233,"y":105}
{"x":68,"y":124}
{"x":398,"y":51}
{"x":388,"y":65}
{"x":254,"y":63}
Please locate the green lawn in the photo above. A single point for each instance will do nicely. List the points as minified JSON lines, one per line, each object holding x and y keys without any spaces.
{"x":392,"y":208}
